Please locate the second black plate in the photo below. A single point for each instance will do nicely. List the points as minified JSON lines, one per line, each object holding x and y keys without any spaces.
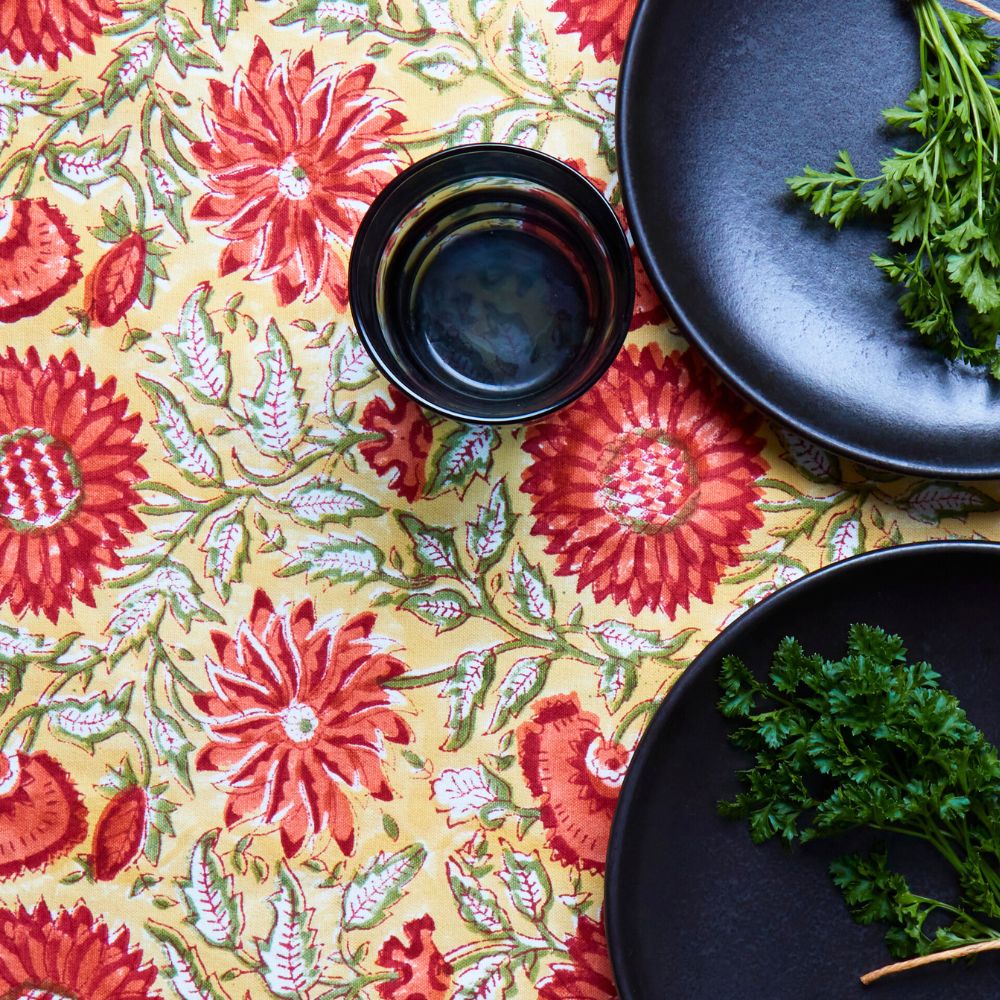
{"x":694,"y":909}
{"x":719,"y":101}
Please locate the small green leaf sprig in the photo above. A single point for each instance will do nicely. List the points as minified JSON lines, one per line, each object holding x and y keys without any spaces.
{"x":941,"y":198}
{"x":872,"y":741}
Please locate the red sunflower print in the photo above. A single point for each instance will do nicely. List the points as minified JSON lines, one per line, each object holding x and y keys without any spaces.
{"x":297,"y":714}
{"x":648,"y":309}
{"x":601,"y":24}
{"x":69,"y":954}
{"x":47,"y":29}
{"x":587,"y":974}
{"x":38,"y":252}
{"x":403,"y":445}
{"x":422,"y":972}
{"x":68,"y":465}
{"x":42,"y":816}
{"x":646,"y":487}
{"x":294,"y":158}
{"x":576,"y":774}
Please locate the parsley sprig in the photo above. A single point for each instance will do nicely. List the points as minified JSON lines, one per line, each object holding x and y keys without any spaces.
{"x":940,"y":198}
{"x":873,"y":741}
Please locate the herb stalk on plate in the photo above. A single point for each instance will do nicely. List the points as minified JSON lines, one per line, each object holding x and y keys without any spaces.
{"x":872,"y":741}
{"x":942,"y":198}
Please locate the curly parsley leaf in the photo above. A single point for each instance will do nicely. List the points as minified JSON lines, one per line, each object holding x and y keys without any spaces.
{"x":872,"y":741}
{"x":938,"y":200}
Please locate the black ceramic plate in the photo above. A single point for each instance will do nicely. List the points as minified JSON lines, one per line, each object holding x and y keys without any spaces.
{"x":694,"y":910}
{"x":719,"y":101}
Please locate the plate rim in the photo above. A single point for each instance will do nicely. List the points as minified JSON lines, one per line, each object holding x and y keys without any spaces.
{"x":627,"y":79}
{"x":613,"y":901}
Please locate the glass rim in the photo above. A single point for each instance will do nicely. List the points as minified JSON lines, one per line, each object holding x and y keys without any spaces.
{"x":498,"y":161}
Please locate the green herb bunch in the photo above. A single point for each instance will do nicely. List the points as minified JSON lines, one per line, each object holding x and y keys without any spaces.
{"x":872,"y":741}
{"x":940,"y":198}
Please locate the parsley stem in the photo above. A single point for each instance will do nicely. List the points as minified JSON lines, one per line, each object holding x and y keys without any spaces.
{"x":993,"y":944}
{"x":982,"y":9}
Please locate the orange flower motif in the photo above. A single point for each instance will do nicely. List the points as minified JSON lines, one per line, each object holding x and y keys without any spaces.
{"x":404,"y":445}
{"x":576,"y":774}
{"x":294,"y":159}
{"x":42,"y":816}
{"x":601,"y":24}
{"x":587,"y":976}
{"x":68,"y":465}
{"x":423,"y":973}
{"x":113,"y":285}
{"x":298,"y":713}
{"x":646,"y":487}
{"x":70,"y":954}
{"x":47,"y":29}
{"x":38,"y":252}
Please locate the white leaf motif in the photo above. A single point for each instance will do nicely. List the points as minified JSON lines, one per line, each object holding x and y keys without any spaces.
{"x":462,"y":792}
{"x":289,"y":954}
{"x":343,"y":12}
{"x":378,"y":885}
{"x":444,"y":64}
{"x":202,"y":365}
{"x":139,"y":59}
{"x":216,"y":910}
{"x":846,"y":539}
{"x":183,"y":980}
{"x":188,"y":448}
{"x":275,"y":411}
{"x":438,"y":14}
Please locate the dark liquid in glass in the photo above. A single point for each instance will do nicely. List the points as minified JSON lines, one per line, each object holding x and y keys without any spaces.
{"x":499,"y":309}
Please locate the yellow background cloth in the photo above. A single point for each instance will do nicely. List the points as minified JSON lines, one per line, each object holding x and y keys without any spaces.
{"x":313,"y":693}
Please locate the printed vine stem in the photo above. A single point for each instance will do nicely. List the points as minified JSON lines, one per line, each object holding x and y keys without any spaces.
{"x":817,"y":507}
{"x":138,"y":193}
{"x":640,"y":711}
{"x":148,"y":9}
{"x":204,"y":509}
{"x":353,"y":988}
{"x":28,"y":712}
{"x":38,"y":712}
{"x":415,"y":36}
{"x":145,"y":758}
{"x":175,"y":671}
{"x":542,"y":96}
{"x":63,"y":677}
{"x":35,"y":151}
{"x":334,"y":451}
{"x":170,"y":123}
{"x":159,"y":655}
{"x":475,"y":951}
{"x":486,"y":609}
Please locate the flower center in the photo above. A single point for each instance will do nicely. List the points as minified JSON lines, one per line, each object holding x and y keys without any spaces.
{"x":293,"y":181}
{"x":39,"y":481}
{"x":648,"y":481}
{"x":300,"y":722}
{"x":607,"y":762}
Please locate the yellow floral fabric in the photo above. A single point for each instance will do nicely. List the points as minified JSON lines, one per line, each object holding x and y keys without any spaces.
{"x":305,"y":692}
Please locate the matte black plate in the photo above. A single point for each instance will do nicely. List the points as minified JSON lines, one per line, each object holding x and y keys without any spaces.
{"x":694,"y":909}
{"x":719,"y":101}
